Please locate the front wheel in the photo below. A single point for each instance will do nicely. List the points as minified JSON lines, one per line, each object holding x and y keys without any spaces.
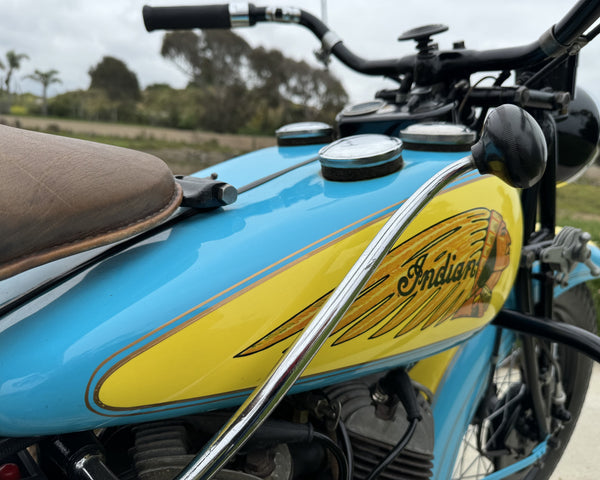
{"x":503,"y":431}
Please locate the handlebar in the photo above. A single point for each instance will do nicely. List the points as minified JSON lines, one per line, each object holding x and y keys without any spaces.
{"x":520,"y":96}
{"x":453,"y":64}
{"x":240,"y":15}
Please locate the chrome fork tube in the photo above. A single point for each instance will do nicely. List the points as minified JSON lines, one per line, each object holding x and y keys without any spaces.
{"x":263,"y":400}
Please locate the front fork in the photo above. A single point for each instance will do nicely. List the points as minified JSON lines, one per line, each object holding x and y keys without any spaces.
{"x":539,"y":198}
{"x":557,"y":257}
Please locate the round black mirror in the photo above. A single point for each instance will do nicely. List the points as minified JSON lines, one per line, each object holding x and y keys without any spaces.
{"x":512,"y":147}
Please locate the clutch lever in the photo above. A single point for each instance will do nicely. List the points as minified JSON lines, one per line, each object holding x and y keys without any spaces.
{"x":512,"y":147}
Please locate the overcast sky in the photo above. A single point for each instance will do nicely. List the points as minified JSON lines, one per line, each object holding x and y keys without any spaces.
{"x":73,"y":35}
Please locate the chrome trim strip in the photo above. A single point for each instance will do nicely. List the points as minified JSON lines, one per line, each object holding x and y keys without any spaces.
{"x":550,"y":45}
{"x":283,"y":14}
{"x":239,"y":14}
{"x":330,"y":40}
{"x":259,"y":405}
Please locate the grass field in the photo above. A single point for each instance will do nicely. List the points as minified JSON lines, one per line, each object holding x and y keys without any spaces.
{"x":182,"y":157}
{"x":578,"y":204}
{"x":185,"y":151}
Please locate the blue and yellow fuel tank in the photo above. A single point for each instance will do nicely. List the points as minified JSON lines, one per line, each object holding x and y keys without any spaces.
{"x":194,"y":317}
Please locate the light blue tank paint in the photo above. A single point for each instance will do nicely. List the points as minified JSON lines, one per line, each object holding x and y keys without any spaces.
{"x":53,"y":345}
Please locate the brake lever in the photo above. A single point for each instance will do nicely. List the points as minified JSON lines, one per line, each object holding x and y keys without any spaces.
{"x":567,"y":250}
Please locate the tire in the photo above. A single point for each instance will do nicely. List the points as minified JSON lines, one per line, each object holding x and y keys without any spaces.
{"x":576,"y":307}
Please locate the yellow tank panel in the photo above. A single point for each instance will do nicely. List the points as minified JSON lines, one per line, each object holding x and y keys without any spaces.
{"x":446,"y":277}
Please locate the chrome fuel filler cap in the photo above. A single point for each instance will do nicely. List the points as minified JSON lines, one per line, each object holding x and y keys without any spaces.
{"x":304,"y":133}
{"x":438,"y":137}
{"x":361,"y":157}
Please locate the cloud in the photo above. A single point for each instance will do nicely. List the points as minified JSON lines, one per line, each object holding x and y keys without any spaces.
{"x":73,"y":35}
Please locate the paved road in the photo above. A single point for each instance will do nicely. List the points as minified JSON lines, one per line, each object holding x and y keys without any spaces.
{"x":581,"y":460}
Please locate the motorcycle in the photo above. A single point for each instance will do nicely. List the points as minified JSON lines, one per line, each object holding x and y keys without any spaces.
{"x":353,"y":308}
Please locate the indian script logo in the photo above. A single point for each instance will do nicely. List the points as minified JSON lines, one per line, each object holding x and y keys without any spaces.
{"x":446,"y":271}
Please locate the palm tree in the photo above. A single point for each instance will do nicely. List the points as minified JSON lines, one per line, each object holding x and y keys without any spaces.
{"x":2,"y":67}
{"x":14,"y":63}
{"x":46,"y":79}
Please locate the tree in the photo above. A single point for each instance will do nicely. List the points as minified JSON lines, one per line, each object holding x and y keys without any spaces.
{"x":253,"y":90}
{"x":211,"y":58}
{"x":14,"y":63}
{"x":113,"y":76}
{"x":46,"y":79}
{"x":181,"y":47}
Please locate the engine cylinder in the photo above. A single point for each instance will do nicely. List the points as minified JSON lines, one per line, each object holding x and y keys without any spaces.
{"x":374,"y":432}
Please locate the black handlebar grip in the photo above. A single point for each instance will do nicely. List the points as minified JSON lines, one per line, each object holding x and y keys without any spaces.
{"x":187,"y":17}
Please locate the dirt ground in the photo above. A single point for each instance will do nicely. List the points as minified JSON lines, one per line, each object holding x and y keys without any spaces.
{"x":235,"y":142}
{"x":182,"y":160}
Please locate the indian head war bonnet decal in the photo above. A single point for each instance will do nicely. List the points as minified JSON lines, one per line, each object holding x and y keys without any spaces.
{"x":445,"y":272}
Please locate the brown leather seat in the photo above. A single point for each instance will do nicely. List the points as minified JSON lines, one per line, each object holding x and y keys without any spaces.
{"x":60,"y":196}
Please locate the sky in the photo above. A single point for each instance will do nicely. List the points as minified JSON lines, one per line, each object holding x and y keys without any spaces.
{"x":71,"y":36}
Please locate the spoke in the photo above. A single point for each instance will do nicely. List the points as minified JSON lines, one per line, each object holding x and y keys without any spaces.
{"x":471,"y":463}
